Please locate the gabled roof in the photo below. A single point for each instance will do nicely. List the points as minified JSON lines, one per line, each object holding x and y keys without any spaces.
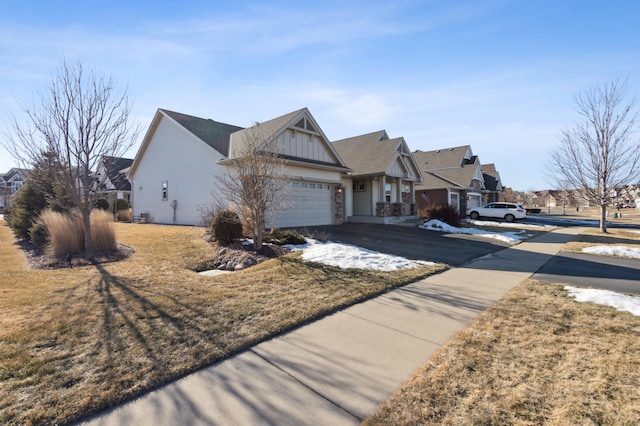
{"x":491,"y":178}
{"x":460,"y":177}
{"x":457,"y":166}
{"x":265,"y":130}
{"x":435,"y":181}
{"x":298,"y":121}
{"x":116,"y":169}
{"x":213,"y":133}
{"x":15,"y":173}
{"x":374,"y":154}
{"x":445,"y":158}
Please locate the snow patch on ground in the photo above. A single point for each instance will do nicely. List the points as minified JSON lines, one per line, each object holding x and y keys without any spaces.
{"x":619,"y":251}
{"x":607,"y":298}
{"x":347,"y":256}
{"x":508,"y":237}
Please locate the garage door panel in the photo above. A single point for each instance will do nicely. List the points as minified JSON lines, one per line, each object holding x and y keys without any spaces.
{"x":310,"y":204}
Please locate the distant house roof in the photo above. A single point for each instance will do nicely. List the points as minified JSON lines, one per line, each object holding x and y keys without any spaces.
{"x":375,"y":154}
{"x":116,"y":169}
{"x":15,"y":173}
{"x":491,"y":178}
{"x":213,"y":133}
{"x":453,"y":167}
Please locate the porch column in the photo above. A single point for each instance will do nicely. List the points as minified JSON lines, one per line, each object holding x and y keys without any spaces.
{"x":382,"y":190}
{"x":412,"y":190}
{"x":398,"y":190}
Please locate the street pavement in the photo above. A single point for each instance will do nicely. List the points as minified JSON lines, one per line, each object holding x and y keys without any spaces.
{"x":337,"y":370}
{"x":589,"y":270}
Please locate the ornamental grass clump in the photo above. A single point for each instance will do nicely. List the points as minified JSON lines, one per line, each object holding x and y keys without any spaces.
{"x":66,"y":232}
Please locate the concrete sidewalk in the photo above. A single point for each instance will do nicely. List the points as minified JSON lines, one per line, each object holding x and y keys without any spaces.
{"x":337,"y":370}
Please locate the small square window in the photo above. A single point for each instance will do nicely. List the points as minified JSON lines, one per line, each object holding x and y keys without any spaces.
{"x":165,"y":190}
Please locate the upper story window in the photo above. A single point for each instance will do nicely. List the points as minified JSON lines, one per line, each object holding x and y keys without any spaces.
{"x":15,"y":185}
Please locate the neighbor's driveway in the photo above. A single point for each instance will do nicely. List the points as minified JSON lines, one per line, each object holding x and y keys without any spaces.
{"x":412,"y":242}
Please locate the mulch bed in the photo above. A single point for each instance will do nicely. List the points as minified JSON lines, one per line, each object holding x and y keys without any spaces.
{"x":39,"y":259}
{"x":234,"y":257}
{"x":240,"y":255}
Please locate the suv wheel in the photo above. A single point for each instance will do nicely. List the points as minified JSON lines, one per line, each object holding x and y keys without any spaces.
{"x":509,"y":218}
{"x":474,"y":215}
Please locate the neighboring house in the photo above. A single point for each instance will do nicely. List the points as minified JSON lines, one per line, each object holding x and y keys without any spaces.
{"x":545,"y":199}
{"x":492,"y":184}
{"x":111,"y":179}
{"x":10,"y":183}
{"x":174,"y":174}
{"x":451,"y":176}
{"x":381,"y":187}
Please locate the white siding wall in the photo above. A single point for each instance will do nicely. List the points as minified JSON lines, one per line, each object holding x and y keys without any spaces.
{"x":187,"y":164}
{"x":362,"y":200}
{"x":302,"y":173}
{"x":347,"y":187}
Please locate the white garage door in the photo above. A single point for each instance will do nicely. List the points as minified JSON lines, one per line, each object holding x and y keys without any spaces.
{"x":310,"y":205}
{"x":474,"y":200}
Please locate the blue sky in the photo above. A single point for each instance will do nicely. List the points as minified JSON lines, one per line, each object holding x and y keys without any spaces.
{"x":496,"y":75}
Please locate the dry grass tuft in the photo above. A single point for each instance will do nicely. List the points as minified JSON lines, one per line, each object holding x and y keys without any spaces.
{"x":537,"y":357}
{"x":75,"y":341}
{"x":65,"y":233}
{"x":103,"y":233}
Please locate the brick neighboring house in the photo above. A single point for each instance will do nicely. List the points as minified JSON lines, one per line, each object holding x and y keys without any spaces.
{"x":10,"y":183}
{"x":451,"y":176}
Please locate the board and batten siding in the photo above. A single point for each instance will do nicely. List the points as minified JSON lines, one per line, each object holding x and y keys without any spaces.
{"x":187,"y":164}
{"x":296,"y":143}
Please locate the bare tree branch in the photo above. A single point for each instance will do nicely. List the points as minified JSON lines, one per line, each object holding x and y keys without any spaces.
{"x":256,"y":184}
{"x":601,"y":151}
{"x":79,"y":119}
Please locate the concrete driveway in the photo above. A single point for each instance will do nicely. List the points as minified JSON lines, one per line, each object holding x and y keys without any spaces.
{"x":412,"y":242}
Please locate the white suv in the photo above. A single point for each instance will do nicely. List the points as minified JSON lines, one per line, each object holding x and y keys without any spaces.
{"x":507,"y":211}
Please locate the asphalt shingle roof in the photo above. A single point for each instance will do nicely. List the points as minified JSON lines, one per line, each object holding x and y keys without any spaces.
{"x":114,"y":167}
{"x":367,"y":154}
{"x":446,"y":167}
{"x":213,"y":133}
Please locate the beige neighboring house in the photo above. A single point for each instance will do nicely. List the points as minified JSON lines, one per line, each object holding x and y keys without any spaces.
{"x":381,"y":186}
{"x":10,"y":183}
{"x":451,"y":176}
{"x":174,"y":174}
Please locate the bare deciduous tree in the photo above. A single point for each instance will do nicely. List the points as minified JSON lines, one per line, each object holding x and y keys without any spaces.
{"x":78,"y":119}
{"x":601,"y":150}
{"x":255,"y":184}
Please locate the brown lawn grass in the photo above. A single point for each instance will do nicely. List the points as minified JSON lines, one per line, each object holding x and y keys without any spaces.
{"x":75,"y":341}
{"x":536,"y":357}
{"x":614,"y":237}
